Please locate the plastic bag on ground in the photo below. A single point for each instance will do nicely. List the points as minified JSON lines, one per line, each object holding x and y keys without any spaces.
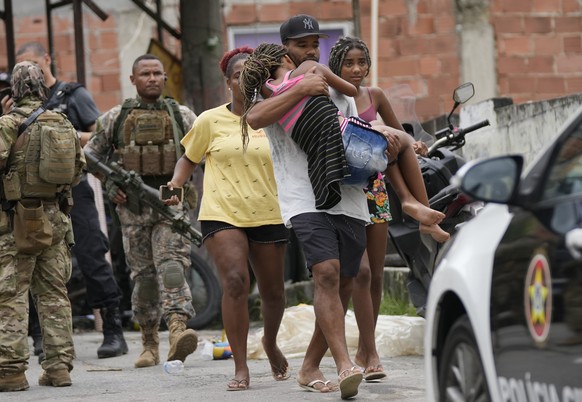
{"x":395,"y":335}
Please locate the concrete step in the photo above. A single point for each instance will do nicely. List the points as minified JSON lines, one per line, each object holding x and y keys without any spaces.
{"x":394,"y":284}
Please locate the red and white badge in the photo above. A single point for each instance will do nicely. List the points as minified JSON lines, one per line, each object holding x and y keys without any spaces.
{"x":538,"y":298}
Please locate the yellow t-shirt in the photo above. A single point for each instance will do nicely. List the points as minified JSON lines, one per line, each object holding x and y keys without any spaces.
{"x":239,"y":187}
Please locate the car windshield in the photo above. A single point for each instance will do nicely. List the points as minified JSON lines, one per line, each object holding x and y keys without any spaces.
{"x":565,"y":178}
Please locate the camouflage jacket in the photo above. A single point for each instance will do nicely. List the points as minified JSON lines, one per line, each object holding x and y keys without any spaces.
{"x":9,"y":124}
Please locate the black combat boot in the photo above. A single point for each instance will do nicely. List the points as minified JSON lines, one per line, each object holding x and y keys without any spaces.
{"x":113,"y":340}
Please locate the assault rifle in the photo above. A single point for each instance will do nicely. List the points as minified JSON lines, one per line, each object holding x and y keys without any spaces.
{"x":138,"y":192}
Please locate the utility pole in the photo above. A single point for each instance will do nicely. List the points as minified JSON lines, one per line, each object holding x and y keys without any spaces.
{"x":201,"y":51}
{"x":356,"y":18}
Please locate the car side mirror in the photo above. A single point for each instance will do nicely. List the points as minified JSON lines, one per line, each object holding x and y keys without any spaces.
{"x":491,"y":180}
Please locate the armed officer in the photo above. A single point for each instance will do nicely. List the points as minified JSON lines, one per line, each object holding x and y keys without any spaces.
{"x":143,"y":135}
{"x":35,"y":230}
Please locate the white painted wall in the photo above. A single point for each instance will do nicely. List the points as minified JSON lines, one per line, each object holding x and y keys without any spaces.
{"x":524,"y":129}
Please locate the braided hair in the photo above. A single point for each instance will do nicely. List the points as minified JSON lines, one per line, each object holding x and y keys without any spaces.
{"x":341,"y":48}
{"x":259,"y":67}
{"x":229,"y":59}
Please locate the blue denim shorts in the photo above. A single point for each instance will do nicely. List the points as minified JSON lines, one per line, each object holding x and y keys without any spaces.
{"x":325,"y":237}
{"x":365,"y":151}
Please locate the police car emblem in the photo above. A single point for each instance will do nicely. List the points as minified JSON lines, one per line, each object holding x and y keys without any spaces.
{"x":538,"y":298}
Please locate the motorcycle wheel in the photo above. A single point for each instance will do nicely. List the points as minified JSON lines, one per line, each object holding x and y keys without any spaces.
{"x":206,"y":292}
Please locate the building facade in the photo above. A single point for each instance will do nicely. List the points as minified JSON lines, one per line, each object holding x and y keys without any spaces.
{"x":527,"y":50}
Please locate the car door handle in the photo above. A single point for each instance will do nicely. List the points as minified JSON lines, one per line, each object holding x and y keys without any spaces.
{"x":574,"y":243}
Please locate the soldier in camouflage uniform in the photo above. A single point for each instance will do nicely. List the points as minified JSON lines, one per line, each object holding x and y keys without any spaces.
{"x":45,"y":271}
{"x":143,"y":135}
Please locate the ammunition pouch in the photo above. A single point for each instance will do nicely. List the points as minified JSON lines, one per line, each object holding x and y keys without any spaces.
{"x":11,"y":186}
{"x":32,"y":230}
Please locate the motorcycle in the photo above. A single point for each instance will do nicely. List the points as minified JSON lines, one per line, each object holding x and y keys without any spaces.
{"x":420,"y":251}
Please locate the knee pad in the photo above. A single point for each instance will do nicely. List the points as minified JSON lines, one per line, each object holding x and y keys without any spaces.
{"x":173,"y":274}
{"x":147,"y":288}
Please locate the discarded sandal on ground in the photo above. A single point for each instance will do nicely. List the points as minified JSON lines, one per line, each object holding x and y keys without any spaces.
{"x":349,"y":383}
{"x":238,"y":385}
{"x":374,"y":373}
{"x":311,"y":386}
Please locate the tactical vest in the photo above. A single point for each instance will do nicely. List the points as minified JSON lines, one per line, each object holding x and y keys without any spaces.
{"x":47,"y":159}
{"x":147,"y":137}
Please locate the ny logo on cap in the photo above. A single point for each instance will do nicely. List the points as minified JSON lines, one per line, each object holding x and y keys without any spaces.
{"x":307,"y":23}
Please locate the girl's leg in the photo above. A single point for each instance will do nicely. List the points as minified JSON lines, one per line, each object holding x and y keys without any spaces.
{"x":367,"y":355}
{"x":377,"y":238}
{"x":367,"y":296}
{"x":234,"y":277}
{"x":406,"y":179}
{"x":268,"y":262}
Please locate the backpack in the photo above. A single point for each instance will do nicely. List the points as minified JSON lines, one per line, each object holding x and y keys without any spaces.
{"x":53,"y":153}
{"x":59,"y":97}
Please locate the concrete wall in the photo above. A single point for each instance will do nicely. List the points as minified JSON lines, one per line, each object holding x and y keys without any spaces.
{"x":517,"y":128}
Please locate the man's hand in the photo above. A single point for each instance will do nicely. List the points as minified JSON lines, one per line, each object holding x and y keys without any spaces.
{"x":114,"y":193}
{"x":313,"y":84}
{"x":84,"y":137}
{"x":394,"y":145}
{"x":7,"y":102}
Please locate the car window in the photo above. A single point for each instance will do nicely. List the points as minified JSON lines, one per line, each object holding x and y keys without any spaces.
{"x":565,"y":178}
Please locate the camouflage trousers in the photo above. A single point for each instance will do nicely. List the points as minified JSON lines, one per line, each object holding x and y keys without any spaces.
{"x":150,"y":245}
{"x":45,"y":274}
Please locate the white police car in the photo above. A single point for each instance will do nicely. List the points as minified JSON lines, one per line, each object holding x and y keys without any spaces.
{"x":504,"y":316}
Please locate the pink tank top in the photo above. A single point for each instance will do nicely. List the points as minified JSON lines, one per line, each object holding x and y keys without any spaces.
{"x":290,"y":118}
{"x":370,"y":113}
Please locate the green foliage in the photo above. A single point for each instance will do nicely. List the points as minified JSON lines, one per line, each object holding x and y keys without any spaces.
{"x":394,"y":306}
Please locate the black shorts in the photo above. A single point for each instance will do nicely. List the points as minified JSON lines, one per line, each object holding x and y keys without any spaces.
{"x":256,"y":234}
{"x":331,"y":237}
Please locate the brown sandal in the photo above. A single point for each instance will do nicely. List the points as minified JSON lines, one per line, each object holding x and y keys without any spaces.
{"x":238,"y":385}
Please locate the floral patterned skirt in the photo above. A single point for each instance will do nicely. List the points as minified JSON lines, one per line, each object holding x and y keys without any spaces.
{"x":378,"y":203}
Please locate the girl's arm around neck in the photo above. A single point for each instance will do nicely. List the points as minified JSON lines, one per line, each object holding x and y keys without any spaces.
{"x":333,"y":80}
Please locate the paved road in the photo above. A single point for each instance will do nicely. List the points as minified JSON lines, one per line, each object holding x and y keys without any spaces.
{"x":116,"y":379}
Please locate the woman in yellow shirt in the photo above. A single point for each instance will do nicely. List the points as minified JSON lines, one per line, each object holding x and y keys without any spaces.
{"x":240,"y":220}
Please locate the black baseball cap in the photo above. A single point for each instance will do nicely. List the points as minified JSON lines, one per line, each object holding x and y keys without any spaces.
{"x":300,"y":26}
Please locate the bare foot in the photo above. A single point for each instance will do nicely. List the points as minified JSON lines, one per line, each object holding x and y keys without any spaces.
{"x":436,"y":232}
{"x":279,"y":364}
{"x":422,"y":213}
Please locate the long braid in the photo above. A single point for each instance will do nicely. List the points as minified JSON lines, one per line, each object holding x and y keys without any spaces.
{"x":341,"y":48}
{"x":258,"y":68}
